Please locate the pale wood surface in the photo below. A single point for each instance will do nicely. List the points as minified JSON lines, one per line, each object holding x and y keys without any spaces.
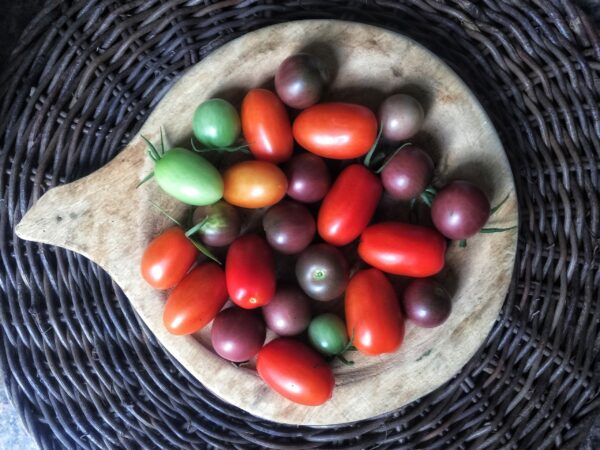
{"x":106,"y":219}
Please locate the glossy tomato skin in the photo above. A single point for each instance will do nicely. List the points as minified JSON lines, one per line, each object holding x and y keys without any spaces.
{"x":254,"y":184}
{"x":295,"y":371}
{"x":250,"y":272}
{"x":336,"y":130}
{"x":168,"y":258}
{"x":373,"y":314}
{"x":349,"y":205}
{"x":403,"y":249}
{"x":196,"y":300}
{"x":266,"y":126}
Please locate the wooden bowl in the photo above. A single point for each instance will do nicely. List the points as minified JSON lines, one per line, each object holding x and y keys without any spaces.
{"x":104,"y":217}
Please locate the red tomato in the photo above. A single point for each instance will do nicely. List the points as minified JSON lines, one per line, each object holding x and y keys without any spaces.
{"x":250,"y":272}
{"x":373,"y":314}
{"x":336,"y":130}
{"x":295,"y":371}
{"x":403,"y":249}
{"x":196,"y":300}
{"x":168,"y":258}
{"x":266,"y":126}
{"x":349,"y":205}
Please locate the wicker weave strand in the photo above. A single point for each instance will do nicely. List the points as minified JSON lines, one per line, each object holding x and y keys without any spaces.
{"x":84,"y":372}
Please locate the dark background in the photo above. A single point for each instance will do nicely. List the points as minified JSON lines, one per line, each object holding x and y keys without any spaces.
{"x":14,"y":19}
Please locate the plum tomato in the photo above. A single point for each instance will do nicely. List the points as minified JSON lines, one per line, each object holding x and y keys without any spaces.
{"x":266,"y":126}
{"x":295,"y":371}
{"x":373,"y":315}
{"x":250,"y":272}
{"x":168,"y":258}
{"x":403,"y":249}
{"x":254,"y":184}
{"x":336,"y":130}
{"x":349,"y":206}
{"x":196,"y":300}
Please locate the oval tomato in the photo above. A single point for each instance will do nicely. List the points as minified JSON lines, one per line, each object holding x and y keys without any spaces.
{"x":250,"y":272}
{"x":196,"y":300}
{"x":168,"y":258}
{"x":349,"y":205}
{"x":403,"y":249}
{"x":373,"y":315}
{"x":254,"y":184}
{"x":266,"y":126}
{"x":295,"y":371}
{"x":336,"y":130}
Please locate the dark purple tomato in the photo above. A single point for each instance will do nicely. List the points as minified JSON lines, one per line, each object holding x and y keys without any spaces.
{"x":237,"y":334}
{"x":460,"y":210}
{"x":289,"y":227}
{"x":400,"y":116}
{"x":300,"y":79}
{"x":426,"y":303}
{"x":408,"y":173}
{"x":288,"y":313}
{"x":221,"y":223}
{"x":308,"y":178}
{"x":322,"y":272}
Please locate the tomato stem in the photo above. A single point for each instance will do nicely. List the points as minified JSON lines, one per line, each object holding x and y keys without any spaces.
{"x":462,"y":243}
{"x":196,"y":227}
{"x":344,"y":360}
{"x":394,"y":153}
{"x":241,"y":148}
{"x":167,"y":215}
{"x":146,"y":178}
{"x":496,"y":230}
{"x":497,"y":207}
{"x":204,"y":250}
{"x":152,"y":151}
{"x":367,"y":161}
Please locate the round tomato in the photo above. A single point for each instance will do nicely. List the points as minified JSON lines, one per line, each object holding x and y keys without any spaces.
{"x":349,"y":205}
{"x":373,"y":315}
{"x":336,"y":130}
{"x":403,"y":249}
{"x":266,"y":126}
{"x":168,"y":258}
{"x":196,"y":300}
{"x":254,"y":184}
{"x":250,"y":272}
{"x":295,"y":371}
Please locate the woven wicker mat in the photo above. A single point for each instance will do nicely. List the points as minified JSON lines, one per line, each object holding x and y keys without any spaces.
{"x":84,"y":372}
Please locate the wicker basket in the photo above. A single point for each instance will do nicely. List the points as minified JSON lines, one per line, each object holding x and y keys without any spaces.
{"x":84,"y":372}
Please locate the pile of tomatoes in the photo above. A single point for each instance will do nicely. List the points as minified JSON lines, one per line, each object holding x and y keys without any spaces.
{"x":317,"y":182}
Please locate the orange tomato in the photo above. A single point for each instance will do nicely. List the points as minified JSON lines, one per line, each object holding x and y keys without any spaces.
{"x":196,"y":300}
{"x":336,"y":130}
{"x":167,"y":259}
{"x":266,"y":126}
{"x":254,"y":184}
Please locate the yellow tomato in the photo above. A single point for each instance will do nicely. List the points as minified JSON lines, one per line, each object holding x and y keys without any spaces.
{"x":254,"y":184}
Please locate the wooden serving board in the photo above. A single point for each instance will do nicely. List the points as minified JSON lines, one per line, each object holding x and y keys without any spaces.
{"x":104,"y":217}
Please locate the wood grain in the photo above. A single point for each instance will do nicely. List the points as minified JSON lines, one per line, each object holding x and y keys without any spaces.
{"x":105,"y":218}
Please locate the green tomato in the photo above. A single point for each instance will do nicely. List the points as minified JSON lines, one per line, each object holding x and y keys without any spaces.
{"x":216,"y":123}
{"x":327,"y":333}
{"x":188,"y":177}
